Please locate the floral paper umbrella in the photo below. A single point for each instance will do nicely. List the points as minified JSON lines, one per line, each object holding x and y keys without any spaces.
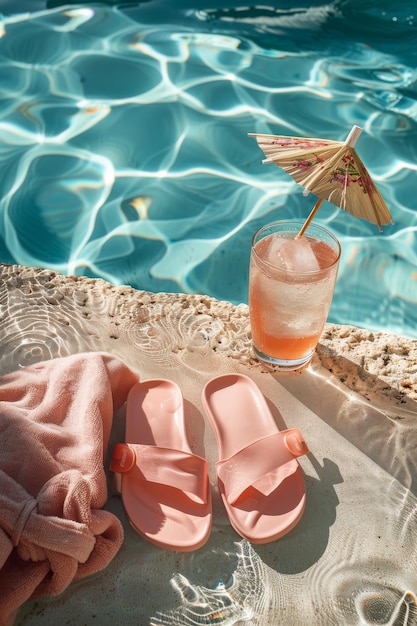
{"x":331,"y":170}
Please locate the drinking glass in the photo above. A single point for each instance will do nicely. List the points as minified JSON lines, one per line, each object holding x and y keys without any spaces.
{"x":291,"y":284}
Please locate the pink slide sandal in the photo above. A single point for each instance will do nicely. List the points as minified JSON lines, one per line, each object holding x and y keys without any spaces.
{"x":259,"y":478}
{"x":165,"y":487}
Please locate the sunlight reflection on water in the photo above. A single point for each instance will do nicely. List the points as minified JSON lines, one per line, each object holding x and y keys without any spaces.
{"x":124,"y":150}
{"x":349,"y":560}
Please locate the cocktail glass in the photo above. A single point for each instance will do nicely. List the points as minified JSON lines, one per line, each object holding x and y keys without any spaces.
{"x":291,"y":286}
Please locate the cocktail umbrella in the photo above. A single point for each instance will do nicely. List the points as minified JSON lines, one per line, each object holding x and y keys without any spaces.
{"x":331,"y":170}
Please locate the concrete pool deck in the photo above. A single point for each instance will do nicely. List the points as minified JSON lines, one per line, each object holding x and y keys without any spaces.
{"x":355,"y":404}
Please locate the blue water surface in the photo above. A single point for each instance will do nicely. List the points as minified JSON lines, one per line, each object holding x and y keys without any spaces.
{"x":124,"y":151}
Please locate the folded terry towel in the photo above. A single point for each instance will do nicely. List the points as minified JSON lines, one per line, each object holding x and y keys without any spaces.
{"x":55,"y":423}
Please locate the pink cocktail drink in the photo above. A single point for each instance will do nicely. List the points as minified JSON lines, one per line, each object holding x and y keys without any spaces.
{"x":291,"y":286}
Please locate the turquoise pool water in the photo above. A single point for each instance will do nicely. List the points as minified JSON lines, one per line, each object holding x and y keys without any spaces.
{"x":124,"y":151}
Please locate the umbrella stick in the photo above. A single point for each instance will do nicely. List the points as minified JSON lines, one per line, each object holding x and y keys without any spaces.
{"x":310,"y":217}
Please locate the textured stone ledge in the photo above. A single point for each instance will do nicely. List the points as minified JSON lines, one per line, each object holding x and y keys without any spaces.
{"x":356,"y":408}
{"x":62,"y":314}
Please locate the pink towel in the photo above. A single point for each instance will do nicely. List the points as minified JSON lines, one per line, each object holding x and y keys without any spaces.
{"x":55,"y":423}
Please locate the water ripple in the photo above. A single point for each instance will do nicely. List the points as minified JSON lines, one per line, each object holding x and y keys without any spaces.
{"x":357,"y":537}
{"x":124,"y":150}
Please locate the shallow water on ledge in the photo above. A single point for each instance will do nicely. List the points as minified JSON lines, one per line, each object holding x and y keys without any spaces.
{"x":351,"y":558}
{"x":124,"y":149}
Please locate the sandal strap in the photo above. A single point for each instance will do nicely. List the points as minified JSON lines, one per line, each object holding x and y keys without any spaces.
{"x":267,"y":461}
{"x":178,"y":469}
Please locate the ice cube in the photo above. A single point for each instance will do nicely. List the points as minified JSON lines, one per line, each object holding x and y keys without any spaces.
{"x":297,"y":255}
{"x":272,"y":252}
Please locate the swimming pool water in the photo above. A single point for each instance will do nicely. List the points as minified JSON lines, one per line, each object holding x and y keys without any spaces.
{"x":124,"y":151}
